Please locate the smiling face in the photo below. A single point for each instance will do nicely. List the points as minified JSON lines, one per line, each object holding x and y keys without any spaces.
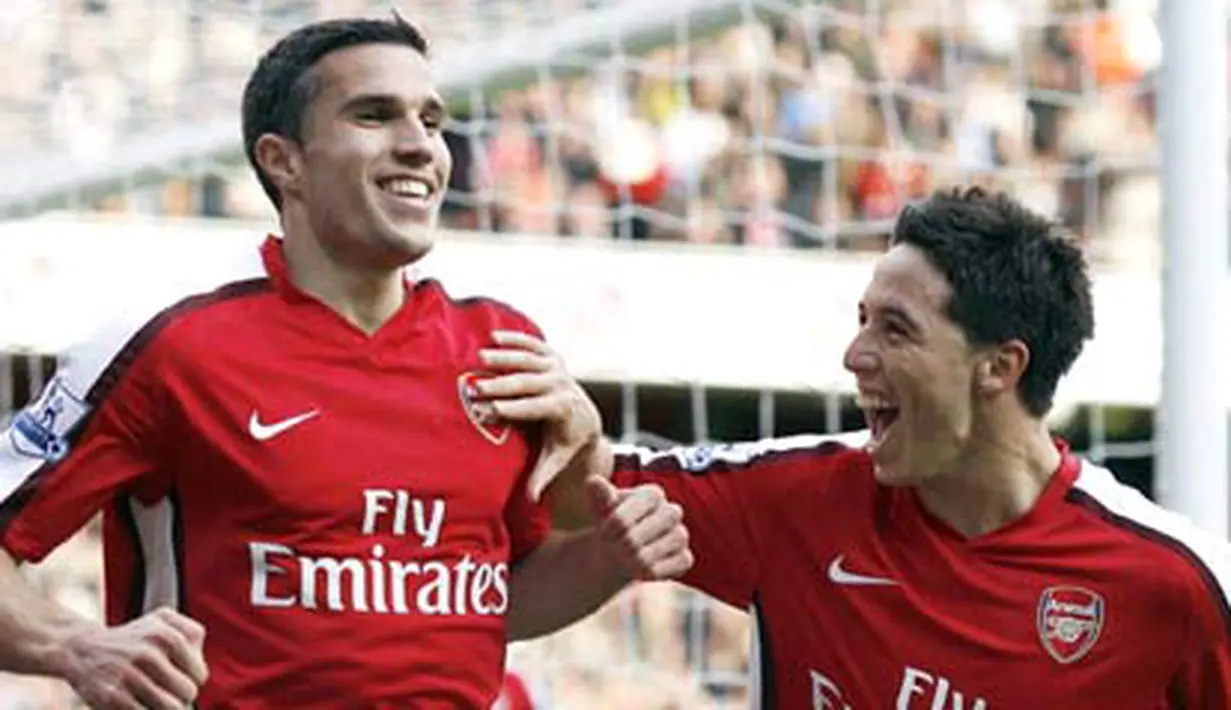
{"x":371,"y":169}
{"x":915,"y":370}
{"x":969,"y":322}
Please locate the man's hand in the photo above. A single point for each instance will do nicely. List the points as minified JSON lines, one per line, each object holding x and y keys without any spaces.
{"x":646,"y":530}
{"x":637,"y":534}
{"x":532,"y":385}
{"x":153,"y":662}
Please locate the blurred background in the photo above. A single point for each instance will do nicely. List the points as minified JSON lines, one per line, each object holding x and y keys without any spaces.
{"x":685,"y":195}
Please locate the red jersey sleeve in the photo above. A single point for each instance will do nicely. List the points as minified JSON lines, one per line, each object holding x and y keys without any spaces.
{"x":729,"y":494}
{"x":1203,"y":681}
{"x":528,"y":522}
{"x":91,"y":433}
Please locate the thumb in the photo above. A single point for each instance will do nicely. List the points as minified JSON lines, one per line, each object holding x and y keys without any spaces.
{"x":603,"y":495}
{"x":545,"y":471}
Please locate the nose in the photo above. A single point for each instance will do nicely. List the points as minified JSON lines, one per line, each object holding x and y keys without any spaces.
{"x":412,"y":145}
{"x":859,"y":358}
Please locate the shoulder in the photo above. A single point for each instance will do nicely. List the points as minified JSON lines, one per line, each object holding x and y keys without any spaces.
{"x":1172,"y":550}
{"x":192,"y":312}
{"x":208,"y":317}
{"x":144,"y":330}
{"x":478,"y":311}
{"x":836,"y":451}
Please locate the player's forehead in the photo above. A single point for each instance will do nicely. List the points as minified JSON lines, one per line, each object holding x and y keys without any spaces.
{"x":394,"y":71}
{"x":904,"y":280}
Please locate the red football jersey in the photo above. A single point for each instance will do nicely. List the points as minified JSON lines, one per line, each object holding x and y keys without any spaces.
{"x":1096,"y":598}
{"x":326,"y":503}
{"x":514,"y":694}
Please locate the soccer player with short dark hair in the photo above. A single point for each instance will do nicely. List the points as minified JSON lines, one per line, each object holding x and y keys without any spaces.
{"x":961,"y":558}
{"x":306,"y":498}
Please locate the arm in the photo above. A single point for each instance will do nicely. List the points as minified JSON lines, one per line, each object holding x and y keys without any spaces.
{"x":720,"y":506}
{"x":735,"y":498}
{"x":85,"y":439}
{"x":32,"y":627}
{"x":41,"y":637}
{"x":568,"y":577}
{"x":532,"y":386}
{"x":722,"y":490}
{"x":566,"y":496}
{"x":1204,"y":680}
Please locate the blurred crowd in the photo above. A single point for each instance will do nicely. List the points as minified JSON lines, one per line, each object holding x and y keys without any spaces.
{"x":804,"y":130}
{"x":815,"y":129}
{"x":801,"y":131}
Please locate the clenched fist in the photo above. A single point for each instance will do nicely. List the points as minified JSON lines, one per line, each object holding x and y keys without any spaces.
{"x":646,"y":531}
{"x":153,"y":662}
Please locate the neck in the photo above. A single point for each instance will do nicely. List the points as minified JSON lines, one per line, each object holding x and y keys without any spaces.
{"x":997,"y":480}
{"x":365,"y":297}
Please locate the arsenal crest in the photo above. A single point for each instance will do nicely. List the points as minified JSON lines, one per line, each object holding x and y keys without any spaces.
{"x":493,"y":430}
{"x":1069,"y":621}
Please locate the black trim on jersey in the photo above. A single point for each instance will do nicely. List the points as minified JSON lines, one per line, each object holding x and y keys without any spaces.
{"x":137,"y":580}
{"x":136,"y":594}
{"x":769,"y":691}
{"x":113,"y":372}
{"x":664,"y":462}
{"x":1089,"y":502}
{"x":471,"y":301}
{"x":177,"y":549}
{"x":1176,"y":700}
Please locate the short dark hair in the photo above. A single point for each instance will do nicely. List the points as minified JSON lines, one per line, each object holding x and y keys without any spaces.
{"x":282,"y":85}
{"x":1014,"y":275}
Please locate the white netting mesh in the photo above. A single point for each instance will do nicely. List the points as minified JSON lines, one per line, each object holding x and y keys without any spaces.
{"x":807,"y":128}
{"x":108,"y":72}
{"x":115,"y":94}
{"x":754,"y":123}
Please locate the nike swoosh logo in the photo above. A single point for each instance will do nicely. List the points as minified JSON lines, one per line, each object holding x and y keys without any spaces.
{"x":265,"y":432}
{"x":839,"y":575}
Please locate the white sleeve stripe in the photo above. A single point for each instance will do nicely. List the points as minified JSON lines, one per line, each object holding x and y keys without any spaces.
{"x":153,"y":532}
{"x":703,"y":457}
{"x":1125,"y":507}
{"x":755,"y":657}
{"x":762,"y":682}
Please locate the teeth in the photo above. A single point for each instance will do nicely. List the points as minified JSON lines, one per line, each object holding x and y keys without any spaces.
{"x":407,"y":187}
{"x":871,"y":401}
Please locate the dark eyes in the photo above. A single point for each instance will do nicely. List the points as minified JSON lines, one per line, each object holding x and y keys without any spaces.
{"x":374,"y":116}
{"x":431,"y":121}
{"x":894,"y":329}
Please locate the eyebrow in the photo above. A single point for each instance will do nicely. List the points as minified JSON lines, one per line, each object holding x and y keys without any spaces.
{"x":899,"y":313}
{"x":433,"y":104}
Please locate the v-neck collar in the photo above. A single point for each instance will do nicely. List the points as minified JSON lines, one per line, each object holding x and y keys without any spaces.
{"x":325,"y":319}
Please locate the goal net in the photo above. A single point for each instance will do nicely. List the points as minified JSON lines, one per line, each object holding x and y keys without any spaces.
{"x":711,"y":176}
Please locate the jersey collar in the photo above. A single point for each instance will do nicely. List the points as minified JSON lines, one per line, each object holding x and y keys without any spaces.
{"x":1048,"y":501}
{"x":273,"y":257}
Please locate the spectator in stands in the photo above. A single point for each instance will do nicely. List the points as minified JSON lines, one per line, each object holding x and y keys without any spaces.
{"x":848,"y":115}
